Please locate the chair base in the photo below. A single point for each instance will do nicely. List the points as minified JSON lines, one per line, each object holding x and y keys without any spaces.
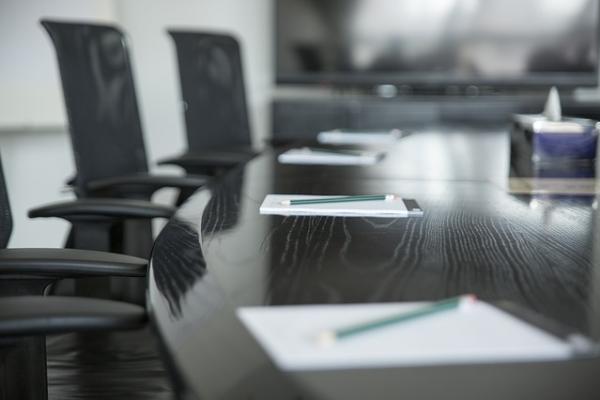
{"x":23,"y":369}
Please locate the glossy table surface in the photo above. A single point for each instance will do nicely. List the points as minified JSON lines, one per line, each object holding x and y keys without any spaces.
{"x":218,"y":253}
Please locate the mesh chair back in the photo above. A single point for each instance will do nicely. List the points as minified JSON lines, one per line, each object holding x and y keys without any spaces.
{"x":100,"y":99}
{"x":5,"y":215}
{"x":212,"y":89}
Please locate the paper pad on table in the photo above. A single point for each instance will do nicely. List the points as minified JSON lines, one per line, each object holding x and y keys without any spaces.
{"x":307,"y":155}
{"x":356,"y":137}
{"x":481,"y":333}
{"x":395,"y":208}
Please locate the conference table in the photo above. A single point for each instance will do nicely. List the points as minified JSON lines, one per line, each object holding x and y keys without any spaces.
{"x":540,"y":252}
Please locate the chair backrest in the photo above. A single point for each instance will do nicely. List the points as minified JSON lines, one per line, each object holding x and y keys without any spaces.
{"x":5,"y":214}
{"x":100,"y":99}
{"x":212,"y":89}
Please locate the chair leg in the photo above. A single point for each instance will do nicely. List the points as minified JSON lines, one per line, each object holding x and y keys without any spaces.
{"x":132,"y":237}
{"x":23,"y":373}
{"x":137,"y":241}
{"x":92,"y":236}
{"x":23,"y":360}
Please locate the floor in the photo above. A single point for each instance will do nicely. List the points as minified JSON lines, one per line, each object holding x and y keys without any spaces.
{"x":123,"y":365}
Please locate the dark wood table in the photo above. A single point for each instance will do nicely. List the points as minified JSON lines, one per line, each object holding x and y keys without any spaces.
{"x":539,"y":252}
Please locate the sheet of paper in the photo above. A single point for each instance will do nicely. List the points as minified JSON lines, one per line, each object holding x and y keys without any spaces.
{"x":355,"y":137}
{"x":479,"y":333}
{"x":329,"y":157}
{"x":395,"y":208}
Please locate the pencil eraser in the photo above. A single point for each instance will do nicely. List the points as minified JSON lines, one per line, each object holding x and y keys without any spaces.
{"x":467,"y":302}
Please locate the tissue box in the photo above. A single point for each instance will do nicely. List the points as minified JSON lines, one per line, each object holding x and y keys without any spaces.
{"x":564,"y":140}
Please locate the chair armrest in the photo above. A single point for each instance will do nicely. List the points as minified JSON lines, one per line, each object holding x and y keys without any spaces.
{"x":100,"y":209}
{"x":39,"y":315}
{"x":69,"y":263}
{"x":217,"y":159}
{"x":144,"y":184}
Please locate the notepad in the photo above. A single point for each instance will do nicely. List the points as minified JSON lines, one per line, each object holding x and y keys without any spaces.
{"x":359,"y":137}
{"x":396,"y":208}
{"x":481,"y":333}
{"x":318,"y":156}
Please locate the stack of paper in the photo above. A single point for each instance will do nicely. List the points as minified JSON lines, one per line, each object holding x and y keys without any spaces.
{"x":359,"y":137}
{"x":309,"y":155}
{"x":395,"y":208}
{"x":478,"y":333}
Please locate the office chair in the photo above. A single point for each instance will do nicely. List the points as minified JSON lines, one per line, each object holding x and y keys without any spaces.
{"x":105,"y":129}
{"x":24,"y":322}
{"x":212,"y":90}
{"x":103,"y":115}
{"x":93,"y":223}
{"x":25,"y":315}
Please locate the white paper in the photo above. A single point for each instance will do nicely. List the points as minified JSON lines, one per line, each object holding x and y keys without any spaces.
{"x":374,"y":208}
{"x":479,"y":333}
{"x":324,"y":157}
{"x":351,"y":137}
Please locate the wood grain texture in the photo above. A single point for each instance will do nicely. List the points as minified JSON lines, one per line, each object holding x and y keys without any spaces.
{"x":219,"y":253}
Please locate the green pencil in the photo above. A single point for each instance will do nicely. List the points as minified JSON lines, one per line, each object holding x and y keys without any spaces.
{"x":340,"y":199}
{"x":331,"y":336}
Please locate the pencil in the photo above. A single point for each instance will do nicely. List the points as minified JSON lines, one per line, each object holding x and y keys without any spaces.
{"x":331,"y":336}
{"x":340,"y":199}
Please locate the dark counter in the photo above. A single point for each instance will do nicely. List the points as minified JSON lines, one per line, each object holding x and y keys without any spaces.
{"x":218,"y":253}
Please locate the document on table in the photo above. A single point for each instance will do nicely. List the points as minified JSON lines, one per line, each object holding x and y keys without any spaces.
{"x":396,"y":208}
{"x":359,"y":137}
{"x":479,"y":333}
{"x":308,"y":155}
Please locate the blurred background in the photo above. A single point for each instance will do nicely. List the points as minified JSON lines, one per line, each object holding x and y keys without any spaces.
{"x":309,"y":65}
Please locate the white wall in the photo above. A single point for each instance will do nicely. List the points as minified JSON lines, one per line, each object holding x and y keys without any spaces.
{"x":36,"y":164}
{"x":33,"y":142}
{"x":30,"y":94}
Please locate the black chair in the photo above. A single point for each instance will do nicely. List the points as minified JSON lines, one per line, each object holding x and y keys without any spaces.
{"x":105,"y":128}
{"x":103,"y":115}
{"x":25,"y":315}
{"x":24,"y":322}
{"x":94,"y":222}
{"x":214,"y":99}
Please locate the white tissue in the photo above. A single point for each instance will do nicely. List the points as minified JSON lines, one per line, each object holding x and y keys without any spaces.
{"x":552,"y":109}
